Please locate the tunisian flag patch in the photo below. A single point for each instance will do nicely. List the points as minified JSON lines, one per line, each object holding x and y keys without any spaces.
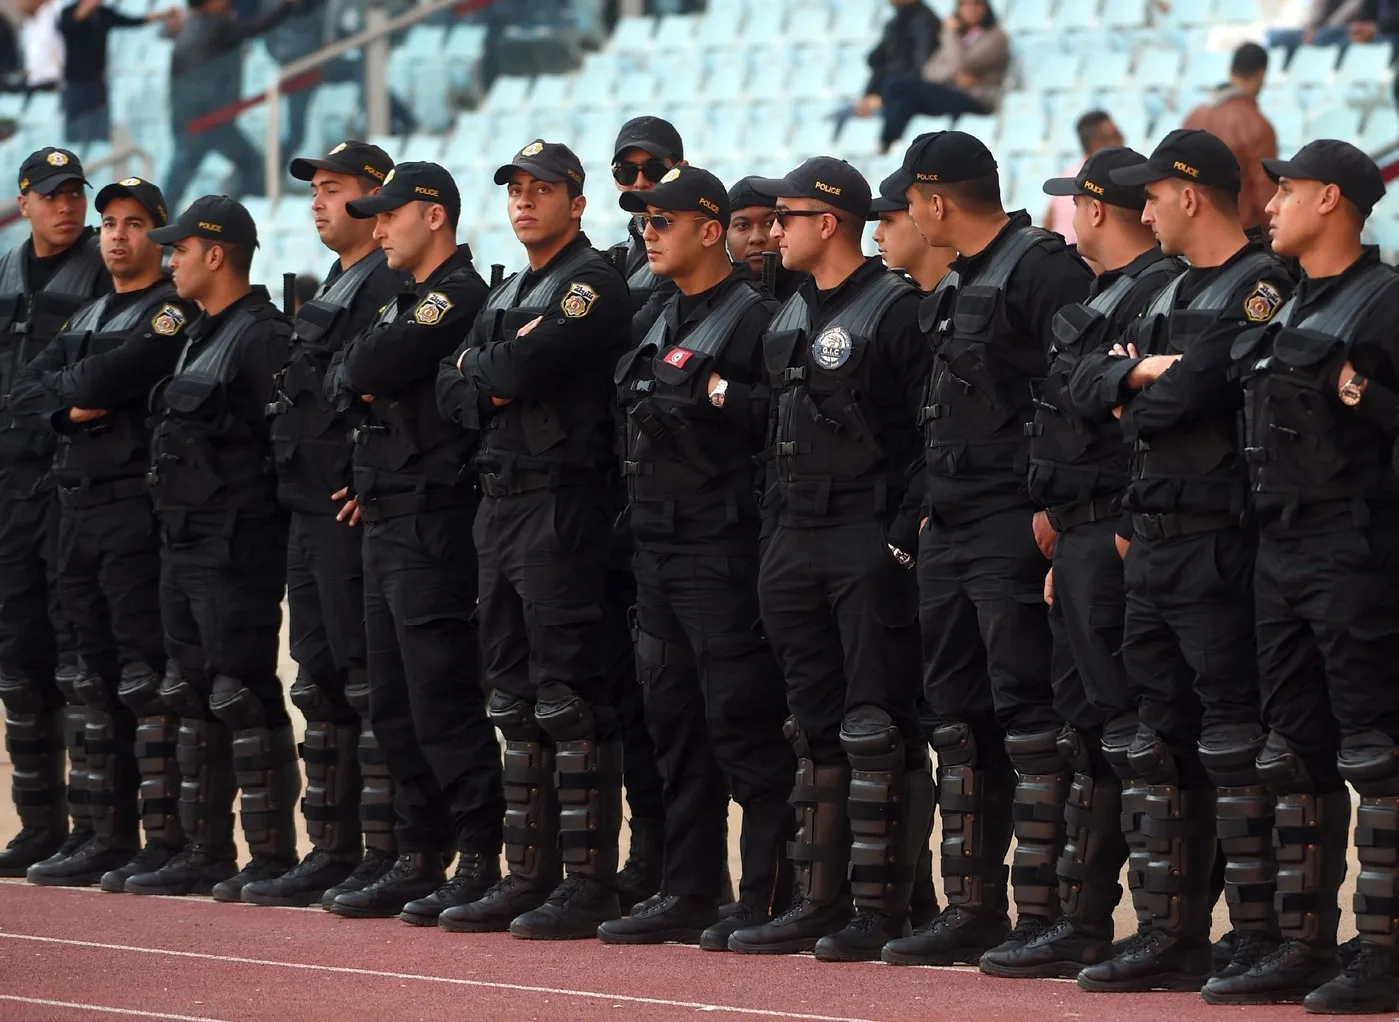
{"x":678,"y":357}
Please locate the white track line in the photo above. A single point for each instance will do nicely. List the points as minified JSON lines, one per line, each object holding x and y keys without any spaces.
{"x":518,"y":987}
{"x":103,"y":1008}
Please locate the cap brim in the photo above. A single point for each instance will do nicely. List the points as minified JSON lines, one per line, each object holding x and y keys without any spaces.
{"x":776,"y":188}
{"x":1141,"y":174}
{"x":645,"y":145}
{"x":1287,"y":168}
{"x":634,"y":202}
{"x":171,"y":233}
{"x":363,"y":209}
{"x":47,"y":185}
{"x":534,"y":170}
{"x":1063,"y":186}
{"x":897,"y":182}
{"x":304,"y":170}
{"x":110,"y":192}
{"x":883,"y":204}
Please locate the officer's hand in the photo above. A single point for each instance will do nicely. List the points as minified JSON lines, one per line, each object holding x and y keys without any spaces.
{"x":500,"y":402}
{"x":867,"y":105}
{"x":81,"y":415}
{"x":529,"y":326}
{"x":351,"y":509}
{"x":1149,"y":369}
{"x":1049,"y":587}
{"x":922,"y":524}
{"x":1347,"y":371}
{"x":1045,"y":536}
{"x":1122,"y":546}
{"x":1117,"y":412}
{"x":367,"y":398}
{"x":1128,"y":352}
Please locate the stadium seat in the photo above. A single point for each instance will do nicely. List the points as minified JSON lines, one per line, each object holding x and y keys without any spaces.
{"x":1125,"y":14}
{"x":719,"y":27}
{"x":1312,"y":65}
{"x":982,"y":126}
{"x":675,"y":33}
{"x":508,"y":92}
{"x":420,"y":147}
{"x":1075,"y":16}
{"x":552,"y":91}
{"x":1055,"y":73}
{"x":634,"y":34}
{"x":1034,"y":15}
{"x":1386,"y":235}
{"x":1366,"y":62}
{"x":1207,"y":68}
{"x":1333,"y":122}
{"x":1021,"y":132}
{"x":1181,"y":13}
{"x":857,"y":21}
{"x":1106,"y":71}
{"x":1157,"y":69}
{"x":858,"y":138}
{"x":764,"y":24}
{"x":808,"y":22}
{"x":1381,"y":130}
{"x":424,"y":40}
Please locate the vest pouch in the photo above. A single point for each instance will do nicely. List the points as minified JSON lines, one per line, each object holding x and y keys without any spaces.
{"x":680,"y":369}
{"x":49,"y":310}
{"x":12,"y":308}
{"x":1293,"y":414}
{"x":1196,"y":451}
{"x":779,"y":350}
{"x":1057,"y":433}
{"x":843,"y":415}
{"x":981,"y":403}
{"x":184,"y":467}
{"x":314,"y":321}
{"x":541,"y":428}
{"x":1077,"y":328}
{"x":935,"y":309}
{"x":629,"y":369}
{"x":394,"y":446}
{"x":1185,"y":326}
{"x":1248,"y":346}
{"x":191,"y":398}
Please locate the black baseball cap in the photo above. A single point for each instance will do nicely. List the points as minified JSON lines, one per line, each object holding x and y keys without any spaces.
{"x":410,"y":182}
{"x":683,"y":189}
{"x":942,"y":157}
{"x":888,"y":200}
{"x":832,"y":181}
{"x":147,"y":194}
{"x":654,"y":135}
{"x":45,"y":169}
{"x":546,"y":161}
{"x":1334,"y":163}
{"x":216,"y":217}
{"x":1188,"y":154}
{"x":350,"y":157}
{"x":1095,"y":179}
{"x":743,"y":194}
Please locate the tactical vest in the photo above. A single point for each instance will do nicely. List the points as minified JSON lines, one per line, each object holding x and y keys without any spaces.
{"x":527,"y":437}
{"x":1068,"y":452}
{"x":825,"y":446}
{"x":664,"y":392}
{"x":984,"y":376}
{"x":1206,"y":450}
{"x":28,"y":321}
{"x":116,"y":446}
{"x":1305,"y":447}
{"x":203,"y":455}
{"x":310,"y":439}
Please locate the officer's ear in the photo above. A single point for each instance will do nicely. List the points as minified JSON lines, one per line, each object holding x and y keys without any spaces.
{"x":24,"y":206}
{"x":576,"y":206}
{"x":1097,"y":212}
{"x":712,"y":233}
{"x":214,"y":255}
{"x":1328,"y":199}
{"x":435,"y":215}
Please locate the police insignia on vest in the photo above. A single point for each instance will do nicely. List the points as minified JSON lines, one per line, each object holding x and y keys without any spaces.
{"x":1262,"y":302}
{"x":578,"y":300}
{"x":431,"y":309}
{"x":167,"y":321}
{"x":831,"y":350}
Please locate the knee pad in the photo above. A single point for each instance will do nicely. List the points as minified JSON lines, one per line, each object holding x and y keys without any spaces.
{"x":954,"y":744}
{"x":1150,"y":759}
{"x":1281,"y":768}
{"x":1370,"y":762}
{"x":1074,"y":750}
{"x":514,"y":716}
{"x":1229,"y":754}
{"x":357,"y":690}
{"x":1036,"y":752}
{"x":92,"y":690}
{"x":870,"y":740}
{"x":178,"y":694}
{"x":233,"y":704}
{"x":796,"y":737}
{"x":563,"y":714}
{"x":66,"y":677}
{"x":311,"y":699}
{"x":1118,"y":734}
{"x":20,"y":695}
{"x":139,"y":690}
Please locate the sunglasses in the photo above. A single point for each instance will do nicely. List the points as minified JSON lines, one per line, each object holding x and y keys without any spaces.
{"x":661,"y":223}
{"x":625,"y":173}
{"x":782,"y":215}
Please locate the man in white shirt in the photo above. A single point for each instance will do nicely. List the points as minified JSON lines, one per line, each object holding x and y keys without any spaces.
{"x":41,"y":43}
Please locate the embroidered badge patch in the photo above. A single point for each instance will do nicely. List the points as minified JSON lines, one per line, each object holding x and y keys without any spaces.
{"x":339,"y":149}
{"x":168,"y":321}
{"x":832,"y":349}
{"x":129,"y":182}
{"x":533,"y":149}
{"x":678,"y":357}
{"x":57,"y":159}
{"x":431,"y":309}
{"x":1262,"y":302}
{"x":670,"y":175}
{"x":578,"y":300}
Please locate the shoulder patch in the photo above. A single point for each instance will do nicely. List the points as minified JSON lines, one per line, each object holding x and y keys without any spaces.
{"x":432,"y":308}
{"x":578,"y":300}
{"x":168,"y":321}
{"x":1262,"y":302}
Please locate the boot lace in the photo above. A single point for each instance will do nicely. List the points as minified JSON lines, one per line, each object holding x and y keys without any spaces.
{"x":25,"y":835}
{"x":1370,"y":962}
{"x":315,"y":861}
{"x":572,"y":889}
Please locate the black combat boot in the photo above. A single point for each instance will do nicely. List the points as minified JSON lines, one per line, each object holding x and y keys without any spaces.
{"x":34,"y":739}
{"x":474,"y":876}
{"x":413,"y":875}
{"x":375,"y":863}
{"x":974,"y":794}
{"x":74,"y":729}
{"x":664,"y":918}
{"x":640,"y":875}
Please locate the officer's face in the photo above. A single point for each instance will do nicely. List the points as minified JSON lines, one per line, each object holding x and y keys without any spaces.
{"x":1165,"y":215}
{"x":803,"y":239}
{"x":540,"y":211}
{"x":925,"y":212}
{"x":750,"y":235}
{"x":190,"y":267}
{"x":57,"y":218}
{"x":900,"y":241}
{"x":1294,"y":218}
{"x":678,"y":248}
{"x":405,"y":235}
{"x":630,"y":163}
{"x":125,"y":248}
{"x":339,"y":231}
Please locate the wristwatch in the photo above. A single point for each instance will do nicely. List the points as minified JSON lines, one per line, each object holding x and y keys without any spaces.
{"x":716,"y":396}
{"x":1353,"y":390}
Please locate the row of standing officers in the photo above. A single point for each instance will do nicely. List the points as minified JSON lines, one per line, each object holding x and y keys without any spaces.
{"x":1116,"y":548}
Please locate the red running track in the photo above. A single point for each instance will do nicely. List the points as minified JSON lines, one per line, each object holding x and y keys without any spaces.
{"x":82,"y":954}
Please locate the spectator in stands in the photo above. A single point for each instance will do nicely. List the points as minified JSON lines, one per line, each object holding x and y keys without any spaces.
{"x":910,"y":38}
{"x":1096,"y":130}
{"x":1337,"y":22}
{"x":11,"y":68}
{"x":1232,"y":114}
{"x":41,"y":43}
{"x":206,"y":72}
{"x":964,"y":76}
{"x":84,"y":27}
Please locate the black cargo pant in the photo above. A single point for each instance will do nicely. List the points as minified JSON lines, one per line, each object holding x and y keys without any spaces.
{"x":842,"y":618}
{"x":33,"y":627}
{"x":425,"y":700}
{"x":715,"y":703}
{"x":325,"y":605}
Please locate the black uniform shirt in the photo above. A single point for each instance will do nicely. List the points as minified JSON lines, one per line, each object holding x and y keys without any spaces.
{"x":261,"y":354}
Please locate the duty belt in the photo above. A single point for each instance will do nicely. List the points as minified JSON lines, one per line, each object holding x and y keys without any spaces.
{"x":87,"y":494}
{"x":1071,"y":516}
{"x":1169,"y":526}
{"x":399,"y":504}
{"x":508,"y":483}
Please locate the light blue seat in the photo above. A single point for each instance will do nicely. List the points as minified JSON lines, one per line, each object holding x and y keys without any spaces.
{"x":1381,"y":129}
{"x":1157,"y":69}
{"x":1056,"y":72}
{"x":1021,"y":133}
{"x":1032,"y":15}
{"x":765,"y":22}
{"x":1125,"y":14}
{"x":728,"y":76}
{"x":426,"y":40}
{"x":1209,"y":68}
{"x":983,"y":126}
{"x":858,"y":138}
{"x":1341,"y":122}
{"x":1075,"y":16}
{"x":552,"y":91}
{"x":421,"y":148}
{"x":808,"y":22}
{"x":634,"y":34}
{"x":1182,"y":13}
{"x":680,"y":80}
{"x":1386,"y":235}
{"x":857,"y":21}
{"x":508,"y":92}
{"x":676,"y":33}
{"x":1313,"y":65}
{"x":1106,"y":70}
{"x":465,"y":39}
{"x":719,"y":27}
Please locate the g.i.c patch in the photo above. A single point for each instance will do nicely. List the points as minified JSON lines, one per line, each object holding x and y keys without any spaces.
{"x":1262,"y":302}
{"x":578,"y":300}
{"x":168,"y":321}
{"x":431,"y":309}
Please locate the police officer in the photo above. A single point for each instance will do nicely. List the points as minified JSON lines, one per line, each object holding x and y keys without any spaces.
{"x":751,"y":217}
{"x":1078,"y":470}
{"x":647,"y":148}
{"x":1188,"y":642}
{"x":901,"y":244}
{"x":413,"y":489}
{"x":42,"y":282}
{"x":89,"y":386}
{"x":838,"y":594}
{"x":348,"y":789}
{"x":223,"y":563}
{"x":1321,"y":385}
{"x":695,"y":399}
{"x":986,"y":640}
{"x":536,"y":378}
